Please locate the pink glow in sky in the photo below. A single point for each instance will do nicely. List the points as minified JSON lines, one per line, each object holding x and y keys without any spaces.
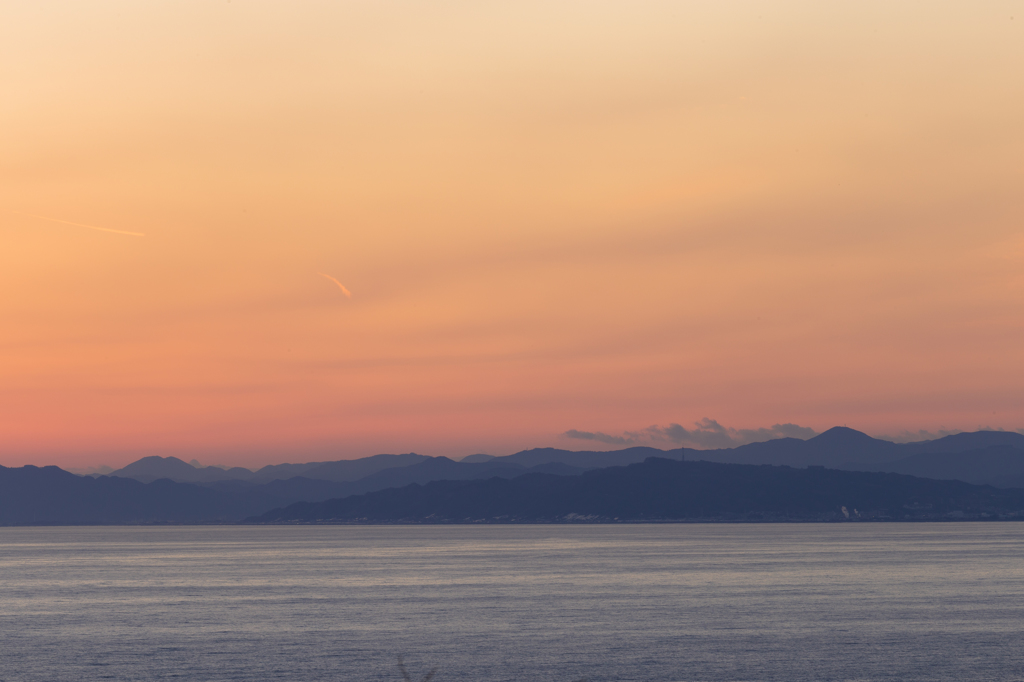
{"x":549,"y":215}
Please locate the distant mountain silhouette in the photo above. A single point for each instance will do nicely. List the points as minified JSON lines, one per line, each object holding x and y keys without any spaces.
{"x":429,"y":469}
{"x":839,"y":447}
{"x":295,"y":488}
{"x":345,"y":469}
{"x":965,"y":442}
{"x":153,"y":468}
{"x":476,"y":459}
{"x":585,"y":459}
{"x":666,"y":490}
{"x":1000,"y":465}
{"x":50,"y":496}
{"x":442,"y":468}
{"x":386,"y":471}
{"x":965,"y":456}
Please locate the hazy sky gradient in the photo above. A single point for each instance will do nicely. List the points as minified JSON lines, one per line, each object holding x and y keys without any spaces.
{"x":550,"y":216}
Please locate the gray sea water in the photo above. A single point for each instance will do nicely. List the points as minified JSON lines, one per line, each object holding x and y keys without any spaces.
{"x":941,"y":601}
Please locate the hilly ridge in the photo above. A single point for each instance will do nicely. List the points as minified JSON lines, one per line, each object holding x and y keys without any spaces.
{"x":963,"y":456}
{"x":169,"y":490}
{"x":668,"y":490}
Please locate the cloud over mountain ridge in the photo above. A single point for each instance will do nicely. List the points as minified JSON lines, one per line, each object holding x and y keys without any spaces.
{"x":705,"y":434}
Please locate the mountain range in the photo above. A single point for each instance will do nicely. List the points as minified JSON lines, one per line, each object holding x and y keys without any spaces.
{"x":668,"y":490}
{"x":169,"y":490}
{"x":989,"y":457}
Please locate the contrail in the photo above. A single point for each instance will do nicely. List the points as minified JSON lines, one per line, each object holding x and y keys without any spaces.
{"x":91,"y":227}
{"x":348,"y":294}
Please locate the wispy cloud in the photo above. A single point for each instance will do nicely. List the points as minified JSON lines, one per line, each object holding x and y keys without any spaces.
{"x":705,"y":434}
{"x":91,"y":227}
{"x":348,"y":294}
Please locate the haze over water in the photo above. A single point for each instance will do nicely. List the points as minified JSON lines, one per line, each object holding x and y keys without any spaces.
{"x":639,"y":602}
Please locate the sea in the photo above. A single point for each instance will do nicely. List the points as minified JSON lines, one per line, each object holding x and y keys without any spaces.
{"x":559,"y":603}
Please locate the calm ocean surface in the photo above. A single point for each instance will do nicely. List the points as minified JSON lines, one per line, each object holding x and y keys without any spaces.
{"x":941,"y":601}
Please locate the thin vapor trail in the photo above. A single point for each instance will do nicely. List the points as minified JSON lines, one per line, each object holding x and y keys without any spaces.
{"x":91,"y":227}
{"x":348,"y":294}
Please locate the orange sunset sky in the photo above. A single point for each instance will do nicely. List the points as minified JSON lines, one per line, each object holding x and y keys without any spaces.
{"x":333,"y":229}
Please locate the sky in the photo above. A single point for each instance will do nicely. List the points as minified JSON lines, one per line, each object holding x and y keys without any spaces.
{"x":255,"y":232}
